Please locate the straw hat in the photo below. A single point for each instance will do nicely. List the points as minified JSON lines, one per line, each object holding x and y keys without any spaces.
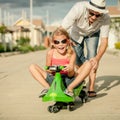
{"x":97,"y":5}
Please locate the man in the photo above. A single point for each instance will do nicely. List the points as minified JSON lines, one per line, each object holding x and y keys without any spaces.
{"x":88,"y":22}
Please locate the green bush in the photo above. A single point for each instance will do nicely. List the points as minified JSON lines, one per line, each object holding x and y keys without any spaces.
{"x":23,"y":41}
{"x":28,"y":48}
{"x":6,"y":49}
{"x":23,"y":45}
{"x":42,"y":48}
{"x":39,"y":48}
{"x":117,"y":45}
{"x":1,"y":48}
{"x":25,"y":49}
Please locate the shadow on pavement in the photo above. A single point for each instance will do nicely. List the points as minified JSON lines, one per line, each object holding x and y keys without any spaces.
{"x":78,"y":103}
{"x":2,"y":75}
{"x":107,"y":82}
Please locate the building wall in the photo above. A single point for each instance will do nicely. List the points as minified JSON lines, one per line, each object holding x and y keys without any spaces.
{"x":114,"y":35}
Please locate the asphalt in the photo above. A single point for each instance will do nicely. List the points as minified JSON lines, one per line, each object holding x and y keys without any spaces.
{"x":19,"y":91}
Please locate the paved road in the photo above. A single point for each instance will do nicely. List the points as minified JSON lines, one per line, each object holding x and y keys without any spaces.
{"x":19,"y":91}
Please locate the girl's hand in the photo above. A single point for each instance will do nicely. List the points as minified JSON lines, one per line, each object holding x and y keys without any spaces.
{"x":49,"y":71}
{"x":70,"y":70}
{"x":67,"y":68}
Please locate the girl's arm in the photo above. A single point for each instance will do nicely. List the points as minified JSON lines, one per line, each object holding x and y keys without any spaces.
{"x":71,"y":65}
{"x":48,"y":58}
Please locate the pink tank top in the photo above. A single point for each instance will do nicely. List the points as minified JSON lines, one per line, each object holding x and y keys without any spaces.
{"x":55,"y":61}
{"x":61,"y":62}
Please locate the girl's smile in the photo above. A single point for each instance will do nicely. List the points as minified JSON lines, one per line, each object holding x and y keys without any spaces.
{"x":60,"y":43}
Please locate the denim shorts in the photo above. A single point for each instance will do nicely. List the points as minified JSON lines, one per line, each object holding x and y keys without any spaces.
{"x":80,"y":57}
{"x":66,"y":80}
{"x":91,"y":45}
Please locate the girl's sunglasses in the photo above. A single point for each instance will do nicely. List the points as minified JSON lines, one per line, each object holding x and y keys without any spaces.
{"x":62,"y":41}
{"x":93,"y":14}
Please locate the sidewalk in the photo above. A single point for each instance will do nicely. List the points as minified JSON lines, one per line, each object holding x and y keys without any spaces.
{"x":19,"y":91}
{"x":109,"y":51}
{"x":113,"y":52}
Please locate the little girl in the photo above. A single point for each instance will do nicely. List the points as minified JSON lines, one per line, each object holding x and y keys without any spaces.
{"x":63,"y":54}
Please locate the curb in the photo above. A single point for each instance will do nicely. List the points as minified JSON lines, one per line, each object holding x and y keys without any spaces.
{"x":113,"y":51}
{"x":6,"y":54}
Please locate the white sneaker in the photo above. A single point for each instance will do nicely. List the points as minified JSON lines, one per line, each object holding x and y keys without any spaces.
{"x":43,"y":92}
{"x":69,"y":93}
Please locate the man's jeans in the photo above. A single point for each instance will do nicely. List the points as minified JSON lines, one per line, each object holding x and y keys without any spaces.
{"x":91,"y":45}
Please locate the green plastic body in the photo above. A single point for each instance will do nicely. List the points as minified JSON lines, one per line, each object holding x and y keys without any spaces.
{"x":56,"y":91}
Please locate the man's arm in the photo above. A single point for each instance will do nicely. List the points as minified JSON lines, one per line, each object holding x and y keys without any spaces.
{"x":104,"y":37}
{"x":102,"y":48}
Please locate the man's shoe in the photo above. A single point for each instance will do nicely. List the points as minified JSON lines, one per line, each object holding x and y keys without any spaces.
{"x":92,"y":94}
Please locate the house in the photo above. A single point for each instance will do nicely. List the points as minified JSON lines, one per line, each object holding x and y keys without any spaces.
{"x":34,"y":31}
{"x":114,"y":34}
{"x":48,"y":31}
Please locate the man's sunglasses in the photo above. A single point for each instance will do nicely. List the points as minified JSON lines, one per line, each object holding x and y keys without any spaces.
{"x":62,"y":41}
{"x":93,"y":14}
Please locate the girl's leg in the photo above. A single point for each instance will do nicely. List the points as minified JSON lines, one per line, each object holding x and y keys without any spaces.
{"x":39,"y":74}
{"x":83,"y":72}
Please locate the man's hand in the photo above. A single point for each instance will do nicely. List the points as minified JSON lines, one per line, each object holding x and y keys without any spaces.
{"x":72,"y":43}
{"x":95,"y":62}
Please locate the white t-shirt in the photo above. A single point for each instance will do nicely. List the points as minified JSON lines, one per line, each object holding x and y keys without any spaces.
{"x":77,"y":24}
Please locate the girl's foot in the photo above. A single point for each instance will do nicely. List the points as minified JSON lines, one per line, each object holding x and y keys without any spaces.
{"x":43,"y":92}
{"x":69,"y":93}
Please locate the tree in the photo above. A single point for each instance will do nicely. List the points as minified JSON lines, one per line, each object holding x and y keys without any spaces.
{"x":3,"y":30}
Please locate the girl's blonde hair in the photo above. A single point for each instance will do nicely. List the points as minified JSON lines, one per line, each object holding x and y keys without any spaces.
{"x":61,"y":31}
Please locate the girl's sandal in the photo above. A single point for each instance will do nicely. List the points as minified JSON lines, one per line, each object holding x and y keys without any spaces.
{"x":69,"y":93}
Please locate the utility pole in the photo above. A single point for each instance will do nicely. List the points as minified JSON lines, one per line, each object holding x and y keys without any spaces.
{"x":119,"y":4}
{"x":31,"y":23}
{"x":31,"y":11}
{"x":47,"y":22}
{"x":4,"y":17}
{"x":0,"y":16}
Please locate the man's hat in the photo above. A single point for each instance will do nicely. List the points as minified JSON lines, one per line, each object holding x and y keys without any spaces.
{"x":98,"y":6}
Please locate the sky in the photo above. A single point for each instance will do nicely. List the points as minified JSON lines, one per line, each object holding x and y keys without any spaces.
{"x":56,"y":9}
{"x":25,"y":3}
